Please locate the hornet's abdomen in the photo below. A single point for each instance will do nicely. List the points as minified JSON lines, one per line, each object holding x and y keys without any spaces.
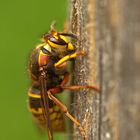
{"x":56,"y":116}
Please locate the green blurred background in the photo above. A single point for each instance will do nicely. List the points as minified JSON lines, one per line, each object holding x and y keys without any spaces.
{"x":22,"y":22}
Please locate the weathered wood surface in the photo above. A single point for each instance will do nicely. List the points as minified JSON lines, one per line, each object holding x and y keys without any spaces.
{"x":109,"y":31}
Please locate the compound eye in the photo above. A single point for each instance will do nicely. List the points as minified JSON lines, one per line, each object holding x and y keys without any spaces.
{"x":58,"y":41}
{"x":54,"y":40}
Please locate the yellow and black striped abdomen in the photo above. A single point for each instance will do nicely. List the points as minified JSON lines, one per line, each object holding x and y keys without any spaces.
{"x":56,"y":116}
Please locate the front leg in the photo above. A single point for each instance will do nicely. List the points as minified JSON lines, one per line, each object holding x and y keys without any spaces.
{"x":68,"y":57}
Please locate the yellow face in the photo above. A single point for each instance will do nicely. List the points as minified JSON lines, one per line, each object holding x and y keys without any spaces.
{"x":59,"y":41}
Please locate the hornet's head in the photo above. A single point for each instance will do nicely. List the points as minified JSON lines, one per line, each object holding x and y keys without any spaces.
{"x":59,"y":41}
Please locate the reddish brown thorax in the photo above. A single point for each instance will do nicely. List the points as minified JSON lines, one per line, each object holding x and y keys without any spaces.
{"x":43,"y":59}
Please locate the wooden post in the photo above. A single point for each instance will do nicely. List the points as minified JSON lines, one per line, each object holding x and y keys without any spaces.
{"x":109,"y":31}
{"x":86,"y":101}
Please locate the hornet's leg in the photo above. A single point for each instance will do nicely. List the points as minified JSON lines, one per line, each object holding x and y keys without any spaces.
{"x":80,"y":87}
{"x":68,"y":57}
{"x":75,"y":87}
{"x":65,"y":110}
{"x":59,"y":89}
{"x":66,"y":79}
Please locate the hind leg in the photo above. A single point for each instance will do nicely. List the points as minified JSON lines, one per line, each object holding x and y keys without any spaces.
{"x":65,"y":110}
